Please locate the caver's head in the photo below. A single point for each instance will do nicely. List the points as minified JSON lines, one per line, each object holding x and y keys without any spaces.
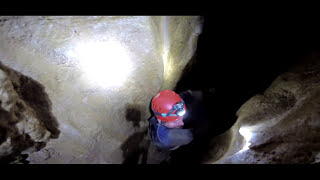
{"x":168,"y":108}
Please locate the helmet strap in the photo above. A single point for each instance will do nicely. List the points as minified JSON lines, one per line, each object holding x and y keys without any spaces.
{"x":162,"y":122}
{"x":170,"y":112}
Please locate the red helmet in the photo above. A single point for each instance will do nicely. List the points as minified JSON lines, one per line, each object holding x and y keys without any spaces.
{"x":168,"y":106}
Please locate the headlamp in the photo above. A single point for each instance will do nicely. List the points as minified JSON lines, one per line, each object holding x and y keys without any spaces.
{"x":181,"y":112}
{"x":179,"y":108}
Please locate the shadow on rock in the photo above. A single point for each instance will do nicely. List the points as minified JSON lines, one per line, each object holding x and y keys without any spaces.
{"x":137,"y":145}
{"x":136,"y":148}
{"x":133,"y":114}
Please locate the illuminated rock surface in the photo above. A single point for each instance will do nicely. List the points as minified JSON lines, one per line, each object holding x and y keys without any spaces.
{"x":282,"y":125}
{"x":87,"y":83}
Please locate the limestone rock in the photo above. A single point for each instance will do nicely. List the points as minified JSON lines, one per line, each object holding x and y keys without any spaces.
{"x":100,"y":73}
{"x":24,"y":124}
{"x":282,"y":125}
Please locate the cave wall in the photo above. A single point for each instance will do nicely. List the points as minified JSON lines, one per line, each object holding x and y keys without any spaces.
{"x":280,"y":126}
{"x":95,"y":123}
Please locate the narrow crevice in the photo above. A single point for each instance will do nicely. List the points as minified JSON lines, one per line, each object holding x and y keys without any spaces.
{"x":237,"y":71}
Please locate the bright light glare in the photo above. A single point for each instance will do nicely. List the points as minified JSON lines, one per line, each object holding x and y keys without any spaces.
{"x":165,"y":58}
{"x":181,"y":113}
{"x":247,"y":134}
{"x":105,"y":63}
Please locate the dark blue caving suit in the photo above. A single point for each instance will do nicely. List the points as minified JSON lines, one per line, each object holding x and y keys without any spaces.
{"x":171,"y":138}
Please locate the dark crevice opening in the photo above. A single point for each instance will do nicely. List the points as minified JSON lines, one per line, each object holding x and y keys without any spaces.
{"x":240,"y":57}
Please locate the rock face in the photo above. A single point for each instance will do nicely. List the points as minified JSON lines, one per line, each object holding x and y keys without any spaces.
{"x":96,"y":75}
{"x":282,"y":125}
{"x":26,"y":123}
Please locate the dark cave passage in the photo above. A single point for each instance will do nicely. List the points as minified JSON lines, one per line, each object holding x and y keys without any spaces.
{"x":239,"y":57}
